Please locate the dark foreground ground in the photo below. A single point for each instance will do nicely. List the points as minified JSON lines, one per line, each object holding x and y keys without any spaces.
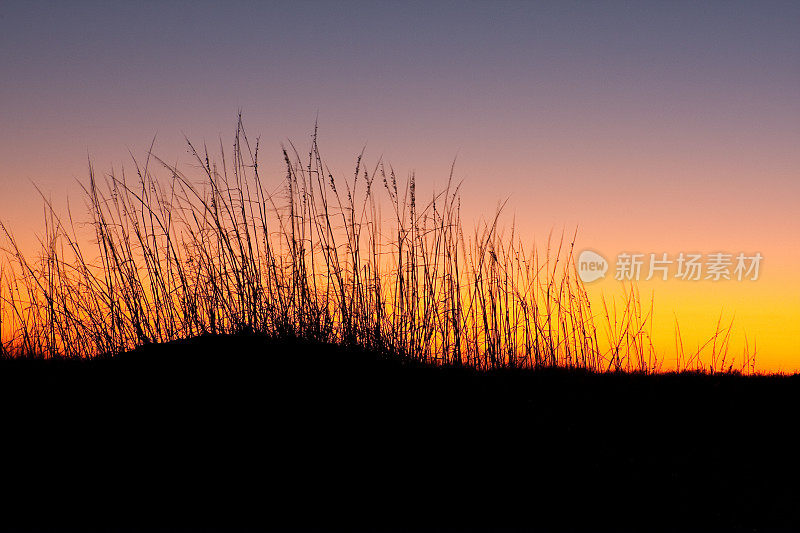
{"x":234,"y":433}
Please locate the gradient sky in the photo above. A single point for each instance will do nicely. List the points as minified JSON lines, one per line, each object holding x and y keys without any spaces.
{"x":652,"y":126}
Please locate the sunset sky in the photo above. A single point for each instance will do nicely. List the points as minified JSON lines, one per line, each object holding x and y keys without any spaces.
{"x":661,"y":127}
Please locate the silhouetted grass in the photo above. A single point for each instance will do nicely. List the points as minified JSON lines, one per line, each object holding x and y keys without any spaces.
{"x":316,"y":257}
{"x":326,"y":352}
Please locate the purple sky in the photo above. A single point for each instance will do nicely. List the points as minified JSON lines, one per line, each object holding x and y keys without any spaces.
{"x":652,"y":125}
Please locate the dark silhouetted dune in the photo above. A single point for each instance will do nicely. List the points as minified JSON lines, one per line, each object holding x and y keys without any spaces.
{"x":233,"y":432}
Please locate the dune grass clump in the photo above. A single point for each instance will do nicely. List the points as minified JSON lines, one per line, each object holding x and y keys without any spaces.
{"x":313,"y":256}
